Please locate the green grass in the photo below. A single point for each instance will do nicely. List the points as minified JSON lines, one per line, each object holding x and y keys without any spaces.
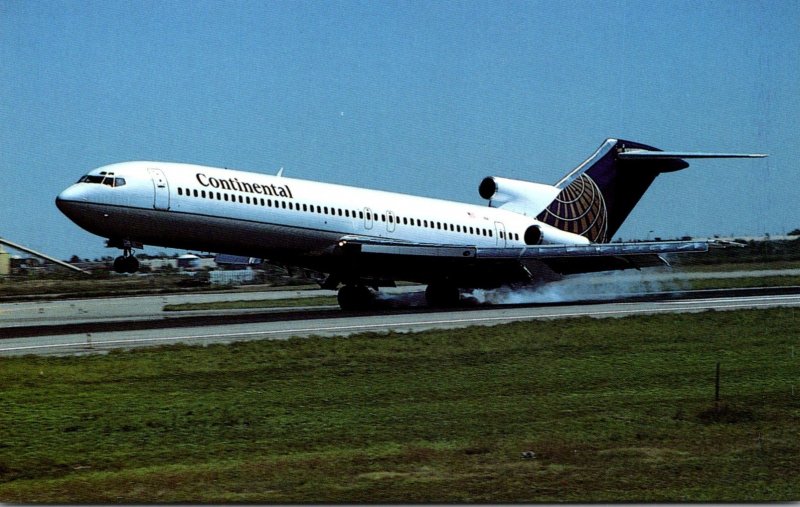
{"x":613,"y":409}
{"x":741,"y":283}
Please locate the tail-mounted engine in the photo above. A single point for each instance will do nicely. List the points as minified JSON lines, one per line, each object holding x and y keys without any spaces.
{"x":524,"y":197}
{"x":543,"y":234}
{"x":528,"y":198}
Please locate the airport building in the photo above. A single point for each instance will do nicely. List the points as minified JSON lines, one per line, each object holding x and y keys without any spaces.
{"x":5,"y":262}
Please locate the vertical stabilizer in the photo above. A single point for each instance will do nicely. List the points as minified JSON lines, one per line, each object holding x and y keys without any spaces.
{"x":598,"y":195}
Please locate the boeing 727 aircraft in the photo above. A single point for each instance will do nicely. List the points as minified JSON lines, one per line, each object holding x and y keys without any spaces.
{"x":362,"y":239}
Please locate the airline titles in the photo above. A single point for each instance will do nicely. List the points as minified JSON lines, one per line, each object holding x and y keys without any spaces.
{"x":243,"y":186}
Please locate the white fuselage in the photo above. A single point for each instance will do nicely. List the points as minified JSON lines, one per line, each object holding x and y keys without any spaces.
{"x":227,"y":211}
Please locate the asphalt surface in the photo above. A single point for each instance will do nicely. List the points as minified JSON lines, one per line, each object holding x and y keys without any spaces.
{"x":98,"y":325}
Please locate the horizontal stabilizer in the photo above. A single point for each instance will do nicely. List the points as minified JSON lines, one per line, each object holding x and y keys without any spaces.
{"x":665,"y":155}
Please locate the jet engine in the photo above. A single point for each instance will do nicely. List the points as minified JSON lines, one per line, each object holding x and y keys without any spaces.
{"x":525,"y":197}
{"x":543,"y":234}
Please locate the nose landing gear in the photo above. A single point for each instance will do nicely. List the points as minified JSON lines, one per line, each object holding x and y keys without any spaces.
{"x":126,"y":263}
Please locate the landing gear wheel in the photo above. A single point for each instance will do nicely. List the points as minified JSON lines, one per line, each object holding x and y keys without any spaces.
{"x":442,"y":295}
{"x":355,"y":297}
{"x":126,"y":263}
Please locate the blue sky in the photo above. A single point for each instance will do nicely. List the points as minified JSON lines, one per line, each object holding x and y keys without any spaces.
{"x":423,"y":97}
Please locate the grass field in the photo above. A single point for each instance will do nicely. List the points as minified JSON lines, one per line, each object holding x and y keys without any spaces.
{"x":567,"y":410}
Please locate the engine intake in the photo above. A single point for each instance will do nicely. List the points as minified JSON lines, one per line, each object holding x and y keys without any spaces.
{"x":533,"y":235}
{"x":487,"y":188}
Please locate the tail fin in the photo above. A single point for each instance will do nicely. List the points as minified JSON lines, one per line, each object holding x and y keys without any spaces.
{"x":598,"y":195}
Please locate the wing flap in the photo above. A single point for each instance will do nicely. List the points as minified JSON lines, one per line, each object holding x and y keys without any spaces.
{"x":471,"y":266}
{"x":367,"y":246}
{"x":594,"y":250}
{"x":459,"y":252}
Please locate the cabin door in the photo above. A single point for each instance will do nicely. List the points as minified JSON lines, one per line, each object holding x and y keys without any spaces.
{"x":500,"y":229}
{"x":367,"y":218}
{"x":160,"y":189}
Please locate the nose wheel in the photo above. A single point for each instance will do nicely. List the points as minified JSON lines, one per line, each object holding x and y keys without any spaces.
{"x":126,"y":263}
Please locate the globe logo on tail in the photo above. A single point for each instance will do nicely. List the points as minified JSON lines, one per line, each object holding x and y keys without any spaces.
{"x":580,"y":209}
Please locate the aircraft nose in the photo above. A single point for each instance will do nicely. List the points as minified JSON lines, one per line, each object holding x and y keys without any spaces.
{"x":67,"y":199}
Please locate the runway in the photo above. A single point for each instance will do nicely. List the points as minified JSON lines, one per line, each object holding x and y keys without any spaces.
{"x":98,"y":325}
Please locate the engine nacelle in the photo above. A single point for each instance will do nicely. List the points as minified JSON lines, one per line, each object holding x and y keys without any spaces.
{"x":519,"y":196}
{"x":543,"y":234}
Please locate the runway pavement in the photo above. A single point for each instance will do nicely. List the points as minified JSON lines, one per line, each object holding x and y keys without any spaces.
{"x":92,"y":326}
{"x":129,"y":308}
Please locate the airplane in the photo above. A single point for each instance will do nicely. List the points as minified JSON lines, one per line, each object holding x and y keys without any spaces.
{"x":365,"y":239}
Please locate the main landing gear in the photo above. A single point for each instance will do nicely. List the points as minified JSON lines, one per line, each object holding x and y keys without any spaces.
{"x":126,"y":263}
{"x":442,"y":295}
{"x":355,"y":297}
{"x":360,"y":297}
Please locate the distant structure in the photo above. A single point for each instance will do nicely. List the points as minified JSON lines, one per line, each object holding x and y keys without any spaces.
{"x":188,"y":261}
{"x":25,"y":249}
{"x":5,"y":262}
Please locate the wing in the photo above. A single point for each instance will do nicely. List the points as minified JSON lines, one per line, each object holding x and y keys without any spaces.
{"x":470,"y":266}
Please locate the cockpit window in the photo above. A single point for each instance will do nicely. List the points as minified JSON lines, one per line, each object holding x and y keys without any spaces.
{"x":103,"y":178}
